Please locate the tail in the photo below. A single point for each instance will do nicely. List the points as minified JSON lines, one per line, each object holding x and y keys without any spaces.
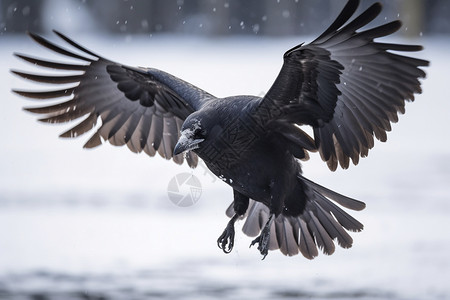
{"x":321,"y":222}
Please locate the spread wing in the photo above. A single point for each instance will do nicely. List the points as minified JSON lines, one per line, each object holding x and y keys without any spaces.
{"x":348,"y":87}
{"x":142,"y":108}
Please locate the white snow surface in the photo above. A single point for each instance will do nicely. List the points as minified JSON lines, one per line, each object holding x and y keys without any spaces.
{"x":99,"y":222}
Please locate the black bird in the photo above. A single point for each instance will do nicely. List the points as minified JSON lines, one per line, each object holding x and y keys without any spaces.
{"x":344,"y":85}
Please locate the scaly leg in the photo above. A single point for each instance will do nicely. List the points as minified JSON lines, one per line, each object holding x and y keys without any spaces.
{"x":263,"y":240}
{"x":226,"y":239}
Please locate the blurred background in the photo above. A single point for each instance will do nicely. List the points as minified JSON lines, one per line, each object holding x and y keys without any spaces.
{"x":207,"y":17}
{"x":99,"y":224}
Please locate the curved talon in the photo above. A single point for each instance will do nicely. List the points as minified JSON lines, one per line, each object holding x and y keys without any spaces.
{"x":254,"y":242}
{"x":263,"y":240}
{"x":226,"y":239}
{"x":263,"y":244}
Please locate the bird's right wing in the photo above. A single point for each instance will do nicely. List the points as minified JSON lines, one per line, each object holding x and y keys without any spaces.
{"x":142,"y":108}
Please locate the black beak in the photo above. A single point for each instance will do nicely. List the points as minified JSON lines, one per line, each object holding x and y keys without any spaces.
{"x":186,"y":144}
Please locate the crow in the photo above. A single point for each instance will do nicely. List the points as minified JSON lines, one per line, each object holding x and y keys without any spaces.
{"x":347,"y":87}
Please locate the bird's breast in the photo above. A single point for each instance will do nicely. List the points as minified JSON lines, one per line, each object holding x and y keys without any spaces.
{"x":253,"y":172}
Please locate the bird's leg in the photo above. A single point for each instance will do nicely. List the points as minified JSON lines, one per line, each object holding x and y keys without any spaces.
{"x":226,"y":239}
{"x":275,"y":207}
{"x":263,"y":239}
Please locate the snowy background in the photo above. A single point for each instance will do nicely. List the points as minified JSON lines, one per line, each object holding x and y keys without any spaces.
{"x":98,"y":224}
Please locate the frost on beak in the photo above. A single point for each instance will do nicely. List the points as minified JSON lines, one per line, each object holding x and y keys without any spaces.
{"x":186,"y":142}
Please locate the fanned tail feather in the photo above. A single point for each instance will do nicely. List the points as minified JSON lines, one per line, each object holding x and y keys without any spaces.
{"x":320,"y":224}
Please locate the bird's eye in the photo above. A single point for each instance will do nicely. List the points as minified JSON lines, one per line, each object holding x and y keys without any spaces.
{"x":200,"y":133}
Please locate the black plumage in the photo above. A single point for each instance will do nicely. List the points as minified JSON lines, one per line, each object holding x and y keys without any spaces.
{"x":344,"y":85}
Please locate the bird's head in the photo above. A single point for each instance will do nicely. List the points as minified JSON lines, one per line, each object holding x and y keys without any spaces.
{"x":193,"y":133}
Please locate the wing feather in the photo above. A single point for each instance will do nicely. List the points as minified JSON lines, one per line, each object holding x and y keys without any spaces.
{"x":142,"y":108}
{"x":346,"y":85}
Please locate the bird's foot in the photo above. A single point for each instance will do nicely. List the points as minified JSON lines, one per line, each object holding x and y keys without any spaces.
{"x":226,"y":239}
{"x":263,"y":240}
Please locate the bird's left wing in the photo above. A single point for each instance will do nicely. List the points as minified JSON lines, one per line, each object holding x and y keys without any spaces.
{"x":142,"y":108}
{"x":348,"y":87}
